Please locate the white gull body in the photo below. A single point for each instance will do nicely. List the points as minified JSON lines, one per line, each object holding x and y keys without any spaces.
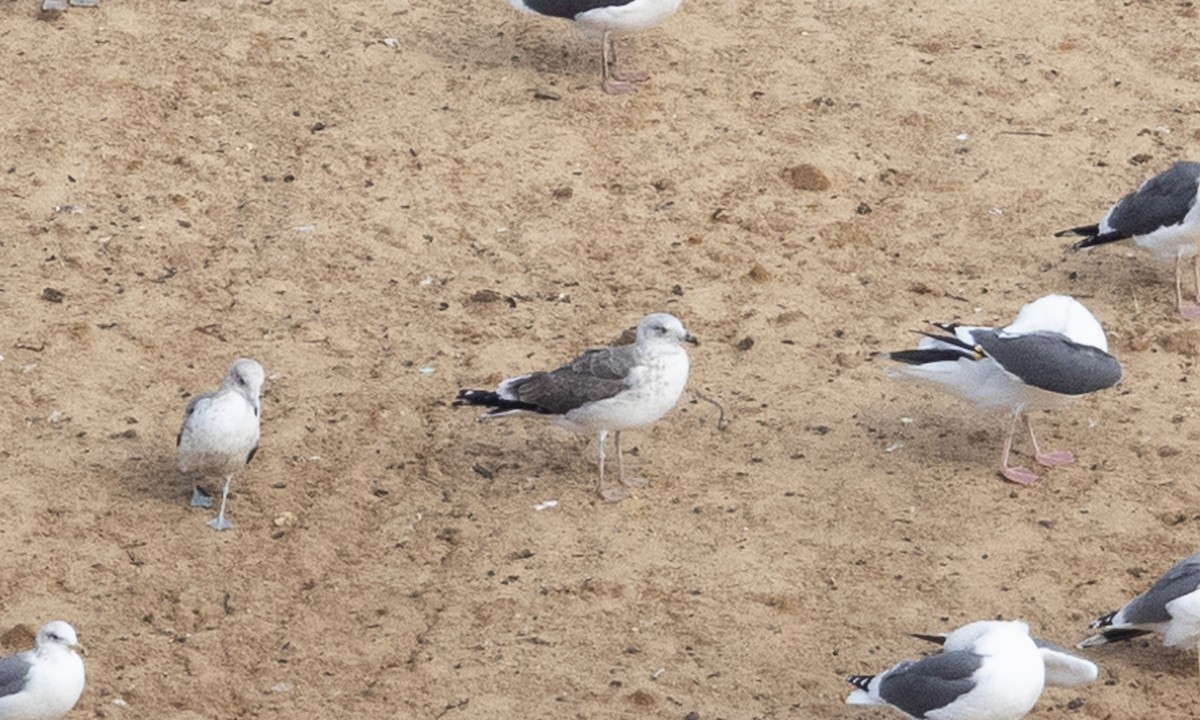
{"x":604,"y":390}
{"x":46,"y":682}
{"x":1054,"y":351}
{"x":221,"y":429}
{"x":1170,"y":607}
{"x":988,"y":670}
{"x":1163,"y":217}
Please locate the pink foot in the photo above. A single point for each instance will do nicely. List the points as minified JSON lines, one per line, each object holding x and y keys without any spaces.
{"x":635,"y":482}
{"x":1056,"y":458}
{"x":614,"y":494}
{"x":1190,"y":311}
{"x":1019,"y":475}
{"x":617,"y":87}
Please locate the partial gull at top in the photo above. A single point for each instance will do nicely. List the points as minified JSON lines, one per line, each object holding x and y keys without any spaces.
{"x":1162,"y":216}
{"x":604,"y":390}
{"x":606,"y":17}
{"x":1171,"y":607}
{"x":46,"y":682}
{"x":1053,"y":351}
{"x":987,"y":670}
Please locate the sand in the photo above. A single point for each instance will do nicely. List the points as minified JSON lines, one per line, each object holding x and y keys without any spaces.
{"x":383,"y":223}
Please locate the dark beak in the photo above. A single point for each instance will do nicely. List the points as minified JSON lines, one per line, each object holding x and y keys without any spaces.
{"x":690,"y":338}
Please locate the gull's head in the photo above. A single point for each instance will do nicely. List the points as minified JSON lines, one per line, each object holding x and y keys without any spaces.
{"x":1064,"y":315}
{"x":663,"y":328}
{"x":247,"y":377}
{"x":59,"y":634}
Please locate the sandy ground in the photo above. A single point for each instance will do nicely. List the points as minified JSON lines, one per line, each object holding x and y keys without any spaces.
{"x":381,"y":225}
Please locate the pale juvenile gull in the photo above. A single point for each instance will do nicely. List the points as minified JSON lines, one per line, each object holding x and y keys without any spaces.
{"x":605,"y":17}
{"x":1162,"y":216}
{"x":1063,"y":669}
{"x":987,"y":670}
{"x":46,"y":682}
{"x":1171,"y":607}
{"x":604,"y":390}
{"x":1055,"y":350}
{"x":221,"y":429}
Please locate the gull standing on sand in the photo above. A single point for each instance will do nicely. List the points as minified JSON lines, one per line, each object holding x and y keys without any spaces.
{"x":1162,"y":216}
{"x":988,"y":670}
{"x":605,"y":17}
{"x":220,"y":431}
{"x":1053,"y":351}
{"x":1171,"y":606}
{"x":603,"y":390}
{"x":46,"y":682}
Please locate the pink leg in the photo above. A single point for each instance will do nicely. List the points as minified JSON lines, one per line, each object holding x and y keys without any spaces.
{"x":630,"y":76}
{"x":1019,"y":475}
{"x":1049,"y":459}
{"x":633,"y":482}
{"x":613,"y":494}
{"x":612,"y":84}
{"x":1188,"y":311}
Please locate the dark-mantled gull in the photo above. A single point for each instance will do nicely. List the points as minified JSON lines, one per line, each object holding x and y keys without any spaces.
{"x":46,"y":682}
{"x":1063,"y":668}
{"x":221,"y":429}
{"x":1171,"y":607}
{"x":603,"y":390}
{"x":1053,"y":351}
{"x":1162,"y":216}
{"x":605,"y":17}
{"x":987,"y":670}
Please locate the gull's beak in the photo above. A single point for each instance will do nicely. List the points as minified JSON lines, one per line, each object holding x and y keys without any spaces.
{"x":79,"y":648}
{"x":690,"y":338}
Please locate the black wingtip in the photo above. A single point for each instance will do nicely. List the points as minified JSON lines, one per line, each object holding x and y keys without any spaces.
{"x":1103,"y":621}
{"x":862,"y":682}
{"x":1113,"y":635}
{"x":489,"y":399}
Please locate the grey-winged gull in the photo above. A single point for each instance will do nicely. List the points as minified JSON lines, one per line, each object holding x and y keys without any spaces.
{"x":46,"y":682}
{"x":1063,"y":668}
{"x":604,"y":390}
{"x":606,"y":17}
{"x":1053,"y":351}
{"x":1171,"y":606}
{"x":987,"y":670}
{"x":1162,"y":216}
{"x":221,"y":429}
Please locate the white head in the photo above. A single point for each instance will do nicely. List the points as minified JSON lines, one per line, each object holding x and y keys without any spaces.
{"x":247,"y":377}
{"x":57,"y":635}
{"x":662,"y":328}
{"x":1064,"y":315}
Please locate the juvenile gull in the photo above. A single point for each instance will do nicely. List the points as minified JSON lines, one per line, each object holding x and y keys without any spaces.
{"x":1063,"y":669}
{"x":604,"y":390}
{"x":1171,"y":606}
{"x":220,"y":431}
{"x":1162,"y":216}
{"x":46,"y":682}
{"x":605,"y":17}
{"x":988,"y":670}
{"x":1053,"y":351}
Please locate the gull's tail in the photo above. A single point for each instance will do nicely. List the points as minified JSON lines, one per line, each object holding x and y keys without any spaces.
{"x":861,"y":696}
